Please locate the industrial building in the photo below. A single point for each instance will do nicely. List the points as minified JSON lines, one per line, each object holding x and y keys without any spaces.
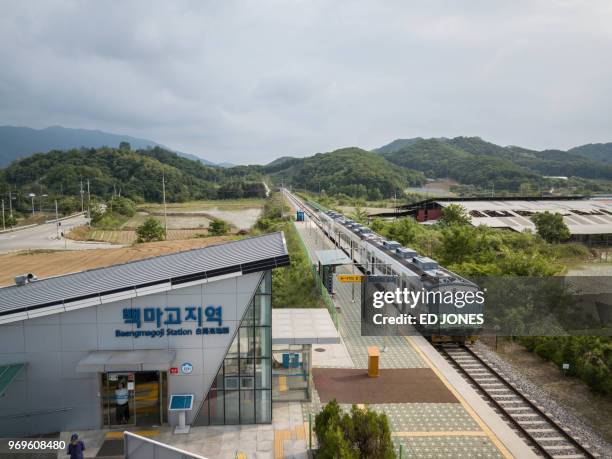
{"x":589,"y":220}
{"x":196,"y":322}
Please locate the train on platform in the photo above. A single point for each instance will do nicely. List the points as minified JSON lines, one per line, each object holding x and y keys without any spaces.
{"x":375,"y":255}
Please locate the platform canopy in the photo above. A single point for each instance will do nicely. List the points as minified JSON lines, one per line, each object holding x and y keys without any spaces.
{"x":144,"y":360}
{"x":333,"y":257}
{"x":303,"y":326}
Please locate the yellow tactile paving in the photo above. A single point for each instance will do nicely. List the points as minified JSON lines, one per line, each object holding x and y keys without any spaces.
{"x":465,"y":405}
{"x":452,"y":433}
{"x":118,"y":434}
{"x":241,"y":455}
{"x":282,"y":384}
{"x":300,"y":433}
{"x":279,"y":437}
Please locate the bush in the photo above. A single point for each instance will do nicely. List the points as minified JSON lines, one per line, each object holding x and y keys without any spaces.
{"x":150,"y":230}
{"x":589,"y":357}
{"x":218,"y":227}
{"x":551,"y":227}
{"x":122,"y":206}
{"x":362,"y":433}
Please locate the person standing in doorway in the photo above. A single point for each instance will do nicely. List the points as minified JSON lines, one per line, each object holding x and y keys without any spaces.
{"x":75,"y":447}
{"x":122,"y":409}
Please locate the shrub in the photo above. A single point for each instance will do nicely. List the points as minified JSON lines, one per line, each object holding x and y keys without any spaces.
{"x":150,"y":230}
{"x":122,"y":206}
{"x":218,"y":227}
{"x":551,"y":227}
{"x":362,"y":433}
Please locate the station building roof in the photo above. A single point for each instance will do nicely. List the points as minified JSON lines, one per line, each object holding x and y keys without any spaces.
{"x":137,"y":278}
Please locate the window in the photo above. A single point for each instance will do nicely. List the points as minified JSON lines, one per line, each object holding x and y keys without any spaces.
{"x":241,"y":393}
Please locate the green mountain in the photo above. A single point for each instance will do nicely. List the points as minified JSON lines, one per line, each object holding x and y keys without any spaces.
{"x":597,"y":151}
{"x":19,"y":142}
{"x":351,"y":171}
{"x":471,"y":160}
{"x":396,"y":145}
{"x":136,"y":174}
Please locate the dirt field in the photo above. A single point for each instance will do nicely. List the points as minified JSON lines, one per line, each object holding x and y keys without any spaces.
{"x":53,"y":263}
{"x":175,"y":220}
{"x":126,"y":237}
{"x":240,"y":213}
{"x":230,"y":204}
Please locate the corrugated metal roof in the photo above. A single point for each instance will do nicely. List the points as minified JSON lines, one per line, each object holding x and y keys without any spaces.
{"x":246,"y":256}
{"x":575,"y":213}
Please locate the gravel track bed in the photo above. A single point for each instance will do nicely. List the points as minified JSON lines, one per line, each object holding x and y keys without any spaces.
{"x":568,"y":421}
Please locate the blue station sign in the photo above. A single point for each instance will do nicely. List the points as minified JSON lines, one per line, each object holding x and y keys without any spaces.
{"x":170,"y":320}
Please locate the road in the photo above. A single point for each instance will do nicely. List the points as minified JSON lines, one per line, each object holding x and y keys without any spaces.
{"x":44,"y":237}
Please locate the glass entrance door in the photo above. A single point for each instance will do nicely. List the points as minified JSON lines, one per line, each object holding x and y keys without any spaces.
{"x":147,"y":399}
{"x":132,"y":398}
{"x":118,"y":398}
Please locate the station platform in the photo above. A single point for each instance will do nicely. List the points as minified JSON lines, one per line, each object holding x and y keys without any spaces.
{"x":448,"y":420}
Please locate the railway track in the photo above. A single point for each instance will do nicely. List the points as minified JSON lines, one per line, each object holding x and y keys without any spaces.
{"x":547,"y":437}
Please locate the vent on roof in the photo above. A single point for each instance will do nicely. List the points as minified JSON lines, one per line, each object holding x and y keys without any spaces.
{"x":391,"y":245}
{"x":25,"y":279}
{"x":425,"y":263}
{"x":406,"y":252}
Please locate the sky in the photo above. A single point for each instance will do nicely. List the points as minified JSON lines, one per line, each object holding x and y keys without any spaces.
{"x":249,"y":81}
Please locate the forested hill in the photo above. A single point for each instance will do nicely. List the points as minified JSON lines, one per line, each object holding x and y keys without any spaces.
{"x":136,"y":174}
{"x":474,"y":161}
{"x":597,"y":151}
{"x":19,"y":142}
{"x":351,"y":171}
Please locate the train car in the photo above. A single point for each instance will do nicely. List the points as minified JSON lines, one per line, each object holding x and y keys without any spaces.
{"x":379,"y":256}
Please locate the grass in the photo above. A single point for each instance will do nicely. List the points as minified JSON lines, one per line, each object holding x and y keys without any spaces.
{"x":126,"y":237}
{"x":223,"y":204}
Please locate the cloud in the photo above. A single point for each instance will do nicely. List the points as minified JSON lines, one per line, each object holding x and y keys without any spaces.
{"x":248,"y":81}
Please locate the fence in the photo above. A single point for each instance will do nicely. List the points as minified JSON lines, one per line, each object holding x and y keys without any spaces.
{"x":331,"y":307}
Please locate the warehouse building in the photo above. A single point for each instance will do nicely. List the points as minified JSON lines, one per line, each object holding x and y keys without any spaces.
{"x":589,"y":220}
{"x":195,"y":322}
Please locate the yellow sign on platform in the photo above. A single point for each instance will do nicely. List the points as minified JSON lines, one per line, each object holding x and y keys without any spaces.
{"x":350,"y":277}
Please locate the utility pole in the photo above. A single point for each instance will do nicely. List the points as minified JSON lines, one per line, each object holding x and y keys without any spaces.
{"x":10,"y":202}
{"x":164,"y":198}
{"x":32,"y":196}
{"x":3,"y":222}
{"x":56,"y":221}
{"x":88,"y":203}
{"x":82,"y":196}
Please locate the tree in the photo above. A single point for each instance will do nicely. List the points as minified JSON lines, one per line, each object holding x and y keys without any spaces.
{"x":10,"y":221}
{"x":359,"y":215}
{"x":370,"y":433}
{"x":551,"y":227}
{"x":362,"y":433}
{"x":125,"y":146}
{"x":122,"y":206}
{"x":68,"y":205}
{"x":150,"y":230}
{"x":218,"y":227}
{"x":454,"y":214}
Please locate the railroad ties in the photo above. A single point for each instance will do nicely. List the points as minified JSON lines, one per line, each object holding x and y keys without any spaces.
{"x":546,"y":436}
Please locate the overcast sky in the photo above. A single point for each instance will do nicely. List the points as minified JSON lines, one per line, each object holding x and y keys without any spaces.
{"x":249,"y":81}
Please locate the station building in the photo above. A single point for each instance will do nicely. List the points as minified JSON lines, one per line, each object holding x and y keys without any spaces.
{"x":195,"y":322}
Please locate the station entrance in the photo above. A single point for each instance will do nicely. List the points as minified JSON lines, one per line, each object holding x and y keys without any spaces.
{"x":134,"y":398}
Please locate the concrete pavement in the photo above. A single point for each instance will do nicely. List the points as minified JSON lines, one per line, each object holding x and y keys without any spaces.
{"x":44,"y":237}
